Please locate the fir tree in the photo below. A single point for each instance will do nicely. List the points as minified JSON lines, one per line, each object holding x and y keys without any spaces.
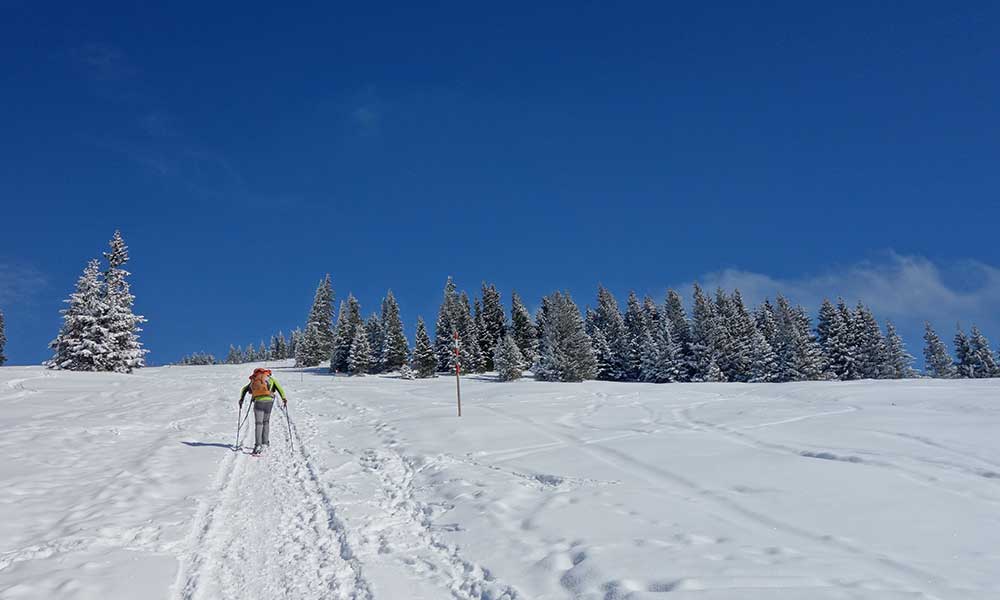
{"x":279,"y":347}
{"x":360,"y":357}
{"x":899,"y":362}
{"x":507,"y":359}
{"x":348,"y":321}
{"x":376,"y":341}
{"x":984,"y":364}
{"x":937,"y":362}
{"x":523,"y":329}
{"x":564,"y":352}
{"x":241,"y":356}
{"x":293,"y":343}
{"x":233,"y":358}
{"x":799,"y":357}
{"x":405,"y":372}
{"x":425,"y":361}
{"x":445,"y":328}
{"x":83,"y":343}
{"x":871,"y":350}
{"x":964,"y":361}
{"x":743,"y":345}
{"x":262,"y":353}
{"x":703,"y":335}
{"x":471,"y":354}
{"x":491,"y":324}
{"x":608,"y":318}
{"x":714,"y":374}
{"x":397,"y":347}
{"x":3,"y":340}
{"x":125,"y":352}
{"x":763,"y":360}
{"x":681,"y":330}
{"x":316,"y":345}
{"x":602,"y":352}
{"x":636,"y":336}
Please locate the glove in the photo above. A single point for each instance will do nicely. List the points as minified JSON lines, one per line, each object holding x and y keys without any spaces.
{"x":284,"y":402}
{"x":241,"y":403}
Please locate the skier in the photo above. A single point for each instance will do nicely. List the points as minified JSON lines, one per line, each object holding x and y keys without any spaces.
{"x":262,"y":387}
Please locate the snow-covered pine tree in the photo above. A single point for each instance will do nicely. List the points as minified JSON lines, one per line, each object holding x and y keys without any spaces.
{"x":964,"y":363}
{"x":492,"y":323}
{"x":376,"y":342}
{"x":671,"y":363}
{"x":317,"y":339}
{"x":262,"y":352}
{"x":725,"y":345}
{"x":125,"y":351}
{"x":799,"y":357}
{"x":836,"y":333}
{"x":714,"y":374}
{"x":766,"y":320}
{"x":937,"y":363}
{"x":763,"y":361}
{"x":279,"y":347}
{"x":674,"y":311}
{"x":293,"y":343}
{"x":405,"y":372}
{"x":397,"y":347}
{"x":251,"y":353}
{"x":898,"y":362}
{"x":445,"y":328}
{"x":3,"y":339}
{"x":603,"y":356}
{"x":347,"y":324}
{"x":703,"y":335}
{"x":742,"y":332}
{"x":870,"y":343}
{"x":984,"y":364}
{"x":523,"y":329}
{"x":425,"y":360}
{"x":608,"y":318}
{"x":241,"y":356}
{"x":635,"y":338}
{"x":360,"y":358}
{"x":83,"y":343}
{"x":649,"y":356}
{"x":232,"y":358}
{"x":507,"y":359}
{"x":471,"y":353}
{"x":812,"y":363}
{"x":564,"y":351}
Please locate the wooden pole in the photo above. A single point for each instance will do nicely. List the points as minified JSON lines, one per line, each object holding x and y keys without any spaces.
{"x":458,"y":378}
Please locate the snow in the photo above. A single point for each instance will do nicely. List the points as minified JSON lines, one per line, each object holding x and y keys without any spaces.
{"x":126,"y":486}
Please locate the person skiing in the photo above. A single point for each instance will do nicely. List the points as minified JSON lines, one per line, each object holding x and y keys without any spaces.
{"x":261,"y":388}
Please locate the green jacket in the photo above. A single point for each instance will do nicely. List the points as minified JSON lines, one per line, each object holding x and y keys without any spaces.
{"x":272,"y":384}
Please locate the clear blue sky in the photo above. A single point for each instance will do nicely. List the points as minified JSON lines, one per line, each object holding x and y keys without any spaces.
{"x":245,"y":151}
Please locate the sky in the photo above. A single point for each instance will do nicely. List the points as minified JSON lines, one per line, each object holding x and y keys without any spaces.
{"x":245,"y":150}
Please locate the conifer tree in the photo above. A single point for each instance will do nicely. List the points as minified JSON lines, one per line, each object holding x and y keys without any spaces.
{"x":376,"y":341}
{"x":262,"y":353}
{"x":763,"y":360}
{"x":742,"y":332}
{"x":564,"y":352}
{"x":937,"y":362}
{"x":714,"y":374}
{"x":125,"y":352}
{"x":293,"y":343}
{"x":984,"y":364}
{"x":703,"y":335}
{"x":317,"y":339}
{"x":233,"y":358}
{"x":3,"y":339}
{"x":899,"y":362}
{"x":241,"y":356}
{"x":347,"y":324}
{"x":964,"y":362}
{"x":836,"y":335}
{"x":425,"y":361}
{"x":360,"y":357}
{"x":491,"y":323}
{"x":471,"y":353}
{"x":397,"y":347}
{"x":523,"y":329}
{"x":445,"y":327}
{"x":608,"y":318}
{"x":83,"y":343}
{"x":635,"y":337}
{"x":799,"y":357}
{"x":603,"y":357}
{"x":507,"y":359}
{"x":871,"y":350}
{"x":681,"y":330}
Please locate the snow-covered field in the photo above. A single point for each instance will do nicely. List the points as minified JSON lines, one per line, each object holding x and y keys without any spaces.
{"x":127,"y":487}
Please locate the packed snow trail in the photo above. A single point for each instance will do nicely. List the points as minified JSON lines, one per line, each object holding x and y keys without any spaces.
{"x":870,"y":490}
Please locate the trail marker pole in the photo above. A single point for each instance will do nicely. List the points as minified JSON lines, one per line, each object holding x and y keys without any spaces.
{"x":458,"y":373}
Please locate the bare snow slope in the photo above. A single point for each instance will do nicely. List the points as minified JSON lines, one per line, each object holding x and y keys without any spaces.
{"x":117,"y":486}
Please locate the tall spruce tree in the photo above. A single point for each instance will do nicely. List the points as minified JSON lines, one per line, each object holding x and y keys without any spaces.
{"x":397,"y":347}
{"x":870,"y":343}
{"x":125,"y":352}
{"x":507,"y":359}
{"x":293,"y":343}
{"x":703,"y":335}
{"x":742,"y":331}
{"x":446,"y":326}
{"x":681,"y":329}
{"x":636,"y":336}
{"x":799,"y":357}
{"x":564,"y":351}
{"x":425,"y":360}
{"x":899,"y":362}
{"x":83,"y":343}
{"x":360,"y":358}
{"x":347,"y":324}
{"x":3,"y":339}
{"x":376,"y":342}
{"x":317,"y":339}
{"x":233,"y":358}
{"x":523,"y":329}
{"x":964,"y":362}
{"x":471,"y":354}
{"x":937,"y":363}
{"x":763,"y":360}
{"x":491,"y":324}
{"x":608,"y":318}
{"x":984,"y":364}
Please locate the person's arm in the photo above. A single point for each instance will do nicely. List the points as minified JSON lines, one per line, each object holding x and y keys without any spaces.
{"x":243,"y":393}
{"x":279,"y":389}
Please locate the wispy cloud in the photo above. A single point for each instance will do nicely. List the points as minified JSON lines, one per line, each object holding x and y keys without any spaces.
{"x":19,"y":283}
{"x":905,"y":289}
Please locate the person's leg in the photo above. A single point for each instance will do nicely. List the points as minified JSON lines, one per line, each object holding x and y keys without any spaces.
{"x":259,"y":418}
{"x":265,"y":436}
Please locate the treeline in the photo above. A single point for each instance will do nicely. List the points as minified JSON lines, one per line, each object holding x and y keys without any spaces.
{"x":720,"y":340}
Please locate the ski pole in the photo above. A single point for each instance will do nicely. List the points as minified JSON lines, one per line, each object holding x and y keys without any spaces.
{"x":242,"y":422}
{"x":288,"y":422}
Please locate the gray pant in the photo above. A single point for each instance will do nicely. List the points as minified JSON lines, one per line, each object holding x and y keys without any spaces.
{"x":262,"y":421}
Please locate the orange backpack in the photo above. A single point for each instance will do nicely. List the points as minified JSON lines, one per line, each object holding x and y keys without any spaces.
{"x":260,"y":384}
